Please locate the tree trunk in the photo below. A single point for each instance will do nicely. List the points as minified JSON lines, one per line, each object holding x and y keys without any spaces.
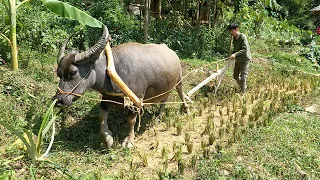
{"x":146,"y":20}
{"x":201,"y":11}
{"x":209,"y":13}
{"x":198,"y":13}
{"x":214,"y":12}
{"x":158,"y":9}
{"x":14,"y":50}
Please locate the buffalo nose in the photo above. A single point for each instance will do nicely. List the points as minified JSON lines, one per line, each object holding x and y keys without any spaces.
{"x":54,"y":97}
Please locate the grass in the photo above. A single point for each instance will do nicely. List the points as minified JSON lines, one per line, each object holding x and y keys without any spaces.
{"x":294,"y":61}
{"x":287,"y":149}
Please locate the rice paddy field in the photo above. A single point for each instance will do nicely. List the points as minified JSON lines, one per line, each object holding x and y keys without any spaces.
{"x":270,"y":132}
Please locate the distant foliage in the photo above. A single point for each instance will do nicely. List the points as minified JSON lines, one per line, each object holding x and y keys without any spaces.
{"x":39,"y":29}
{"x":312,"y":52}
{"x":191,"y":41}
{"x":298,"y":12}
{"x":123,"y":26}
{"x":264,"y":30}
{"x":268,"y":24}
{"x":4,"y":28}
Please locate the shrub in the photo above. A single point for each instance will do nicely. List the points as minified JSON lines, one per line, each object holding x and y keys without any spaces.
{"x":122,"y":25}
{"x":312,"y":52}
{"x":189,"y":41}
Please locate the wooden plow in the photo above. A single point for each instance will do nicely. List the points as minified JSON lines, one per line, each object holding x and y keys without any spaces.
{"x":220,"y":74}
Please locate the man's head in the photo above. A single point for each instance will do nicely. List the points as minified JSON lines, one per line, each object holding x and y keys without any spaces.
{"x":233,"y":29}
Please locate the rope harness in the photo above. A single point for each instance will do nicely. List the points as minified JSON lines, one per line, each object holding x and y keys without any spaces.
{"x":127,"y":102}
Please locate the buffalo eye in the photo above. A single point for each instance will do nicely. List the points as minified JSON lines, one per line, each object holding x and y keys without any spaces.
{"x":72,"y":73}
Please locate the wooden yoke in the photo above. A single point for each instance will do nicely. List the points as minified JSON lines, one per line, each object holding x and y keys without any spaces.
{"x":111,"y":71}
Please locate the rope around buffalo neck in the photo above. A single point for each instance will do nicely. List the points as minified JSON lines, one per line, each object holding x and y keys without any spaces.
{"x":74,"y":87}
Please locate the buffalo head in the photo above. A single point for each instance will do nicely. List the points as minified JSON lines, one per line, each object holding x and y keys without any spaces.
{"x":77,"y":70}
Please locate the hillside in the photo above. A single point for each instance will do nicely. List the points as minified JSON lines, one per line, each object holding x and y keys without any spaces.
{"x":231,"y":135}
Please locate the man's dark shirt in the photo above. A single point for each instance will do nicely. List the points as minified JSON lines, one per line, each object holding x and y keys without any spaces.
{"x":241,"y":48}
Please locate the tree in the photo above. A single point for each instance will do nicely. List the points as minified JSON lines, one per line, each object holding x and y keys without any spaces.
{"x":298,"y":12}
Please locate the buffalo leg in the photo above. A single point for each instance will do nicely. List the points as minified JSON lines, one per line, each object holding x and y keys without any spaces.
{"x":129,"y":140}
{"x":105,"y":133}
{"x":162,"y":108}
{"x":184,"y":106}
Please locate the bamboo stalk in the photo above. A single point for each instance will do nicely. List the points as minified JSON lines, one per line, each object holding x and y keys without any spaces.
{"x":117,"y":80}
{"x":147,"y":20}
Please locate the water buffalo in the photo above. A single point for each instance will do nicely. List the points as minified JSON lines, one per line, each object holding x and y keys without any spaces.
{"x":147,"y":69}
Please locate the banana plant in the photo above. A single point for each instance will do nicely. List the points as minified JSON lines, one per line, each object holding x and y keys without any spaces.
{"x":34,"y":146}
{"x":60,"y":8}
{"x":64,"y":10}
{"x":11,"y":7}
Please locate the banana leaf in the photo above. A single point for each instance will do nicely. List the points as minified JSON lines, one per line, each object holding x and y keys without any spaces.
{"x":69,"y":11}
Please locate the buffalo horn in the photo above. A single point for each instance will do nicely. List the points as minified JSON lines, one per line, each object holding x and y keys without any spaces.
{"x":62,"y":48}
{"x":95,"y":50}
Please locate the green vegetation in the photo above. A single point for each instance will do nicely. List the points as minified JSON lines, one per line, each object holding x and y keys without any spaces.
{"x":206,"y":37}
{"x":34,"y":147}
{"x":77,"y":152}
{"x":265,"y":133}
{"x":294,"y":61}
{"x":11,"y":8}
{"x":288,"y":148}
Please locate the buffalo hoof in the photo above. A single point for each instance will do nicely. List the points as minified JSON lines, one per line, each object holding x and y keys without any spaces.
{"x":128,"y":142}
{"x":187,"y":110}
{"x":107,"y":140}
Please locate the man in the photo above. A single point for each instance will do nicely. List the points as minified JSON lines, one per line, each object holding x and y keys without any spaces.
{"x":241,"y":54}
